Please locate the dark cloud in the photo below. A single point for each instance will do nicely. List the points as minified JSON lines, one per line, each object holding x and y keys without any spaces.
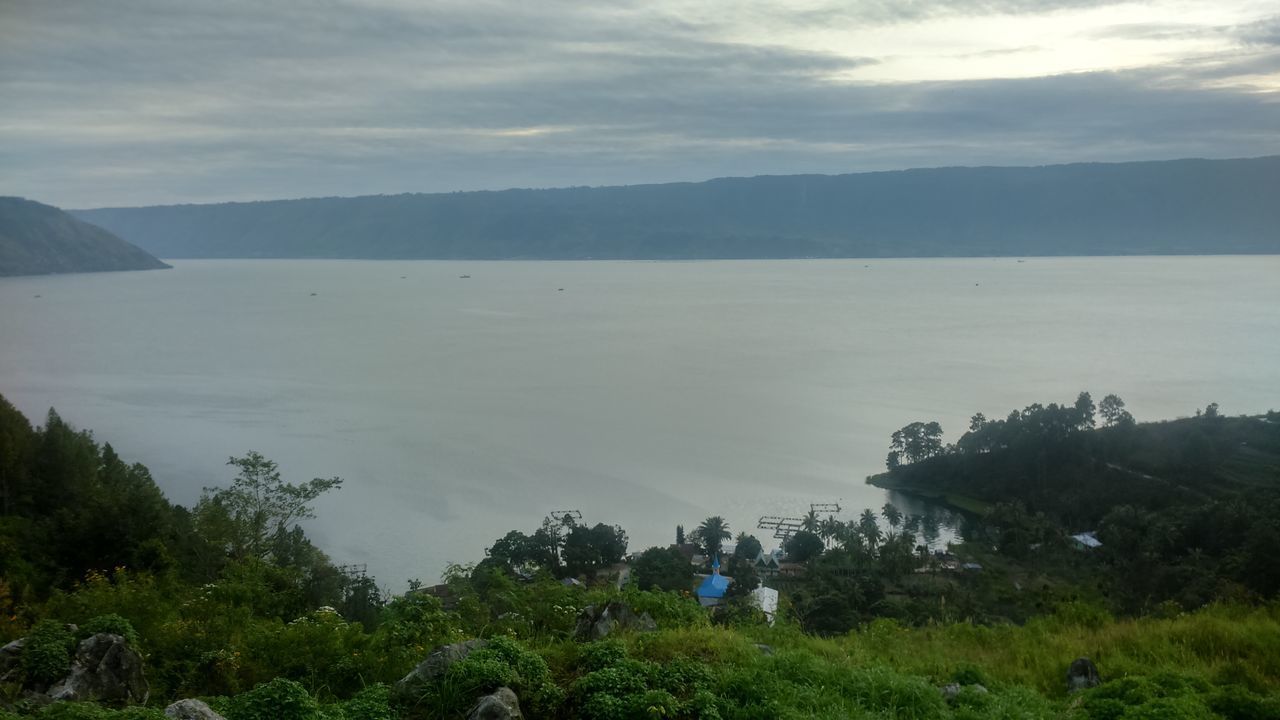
{"x":145,"y":101}
{"x":1263,"y":32}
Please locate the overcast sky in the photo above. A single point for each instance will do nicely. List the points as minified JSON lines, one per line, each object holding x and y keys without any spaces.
{"x":137,"y":102}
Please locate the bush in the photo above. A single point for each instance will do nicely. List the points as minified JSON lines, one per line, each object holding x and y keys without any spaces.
{"x":46,"y":658}
{"x":372,"y":703}
{"x":279,"y":699}
{"x":110,"y":623}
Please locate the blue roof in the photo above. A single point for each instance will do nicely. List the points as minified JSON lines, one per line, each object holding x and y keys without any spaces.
{"x":713,"y":587}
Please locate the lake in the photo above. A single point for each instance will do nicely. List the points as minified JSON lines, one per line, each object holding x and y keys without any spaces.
{"x":641,"y":393}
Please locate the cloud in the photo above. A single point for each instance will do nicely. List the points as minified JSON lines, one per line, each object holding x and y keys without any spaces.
{"x":148,"y":101}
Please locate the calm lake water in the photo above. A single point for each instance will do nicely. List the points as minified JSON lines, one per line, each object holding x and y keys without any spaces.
{"x":643,"y":394}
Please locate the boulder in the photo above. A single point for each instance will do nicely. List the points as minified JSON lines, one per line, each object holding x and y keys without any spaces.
{"x":106,"y":670}
{"x":11,"y":661}
{"x":412,"y":686}
{"x":1082,"y":675}
{"x":191,"y":709}
{"x":501,"y":705}
{"x":597,"y":623}
{"x":951,"y":692}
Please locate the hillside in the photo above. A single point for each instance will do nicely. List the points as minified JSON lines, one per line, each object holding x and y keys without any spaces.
{"x":1173,"y":207}
{"x":93,"y":556}
{"x":37,"y":239}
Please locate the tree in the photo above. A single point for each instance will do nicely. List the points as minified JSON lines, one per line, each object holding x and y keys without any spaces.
{"x":745,"y":577}
{"x":803,"y":546}
{"x":1085,"y":410}
{"x":868,"y":527}
{"x":662,"y":568}
{"x":810,"y":521}
{"x":915,"y":442}
{"x":679,"y":534}
{"x":259,"y":505}
{"x":748,"y":548}
{"x":892,"y":515}
{"x":589,"y":549}
{"x":711,"y":534}
{"x":1113,"y":413}
{"x":517,"y":550}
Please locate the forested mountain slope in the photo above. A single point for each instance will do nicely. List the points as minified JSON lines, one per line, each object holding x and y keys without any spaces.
{"x":37,"y":239}
{"x":1174,"y":207}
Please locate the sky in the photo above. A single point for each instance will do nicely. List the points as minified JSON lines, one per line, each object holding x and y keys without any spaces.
{"x":143,"y":102}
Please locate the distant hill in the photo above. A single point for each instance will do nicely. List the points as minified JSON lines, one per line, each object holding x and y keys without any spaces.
{"x":38,"y":239}
{"x":1173,"y":207}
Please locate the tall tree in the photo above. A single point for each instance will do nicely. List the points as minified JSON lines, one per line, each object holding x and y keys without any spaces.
{"x":869,"y":528}
{"x":1112,"y":410}
{"x":892,"y":515}
{"x":711,"y":534}
{"x":748,"y":547}
{"x":915,"y":442}
{"x":259,"y":505}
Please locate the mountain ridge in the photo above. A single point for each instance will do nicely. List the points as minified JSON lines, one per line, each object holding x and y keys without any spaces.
{"x":1192,"y":206}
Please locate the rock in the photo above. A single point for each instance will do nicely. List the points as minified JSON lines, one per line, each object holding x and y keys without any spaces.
{"x":501,"y":705}
{"x":191,"y":710}
{"x":106,"y":670}
{"x":764,"y":649}
{"x":411,"y":686}
{"x":1082,"y":675}
{"x":598,"y":623}
{"x":951,"y":692}
{"x":11,"y":660}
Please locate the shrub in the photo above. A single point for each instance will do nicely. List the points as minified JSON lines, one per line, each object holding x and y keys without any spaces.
{"x":110,"y":623}
{"x":279,"y":699}
{"x":602,"y":654}
{"x":46,"y":658}
{"x":969,"y":675}
{"x":372,"y":703}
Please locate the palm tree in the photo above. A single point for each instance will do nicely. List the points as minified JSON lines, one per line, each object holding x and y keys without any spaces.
{"x":810,"y":521}
{"x":711,"y":534}
{"x":829,"y":529}
{"x":870,"y":530}
{"x":892,"y":515}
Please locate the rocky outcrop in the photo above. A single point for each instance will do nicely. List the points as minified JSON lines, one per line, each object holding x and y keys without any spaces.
{"x":412,"y":686}
{"x":597,"y":623}
{"x":191,"y":710}
{"x":1082,"y":675}
{"x":11,"y":661}
{"x":106,"y":670}
{"x":501,"y":705}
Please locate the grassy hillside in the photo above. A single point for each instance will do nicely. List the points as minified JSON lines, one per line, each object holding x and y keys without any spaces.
{"x":1175,"y":207}
{"x":38,"y":239}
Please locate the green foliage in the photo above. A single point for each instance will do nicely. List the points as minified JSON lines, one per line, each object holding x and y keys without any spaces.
{"x":259,"y":508}
{"x":110,"y":623}
{"x":803,"y":546}
{"x":46,"y":657}
{"x":589,"y":549}
{"x":279,"y":699}
{"x":662,"y":569}
{"x":710,"y":535}
{"x":748,"y":547}
{"x":371,"y":703}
